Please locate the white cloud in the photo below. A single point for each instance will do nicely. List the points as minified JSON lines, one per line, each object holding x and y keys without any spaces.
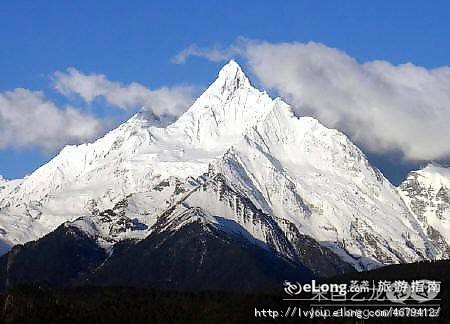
{"x":381,"y":106}
{"x":215,"y":54}
{"x":163,"y":101}
{"x":28,"y":119}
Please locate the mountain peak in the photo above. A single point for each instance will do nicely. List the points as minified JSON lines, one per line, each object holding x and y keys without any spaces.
{"x":232,"y":67}
{"x":435,"y":175}
{"x":225,"y":110}
{"x":231,"y":77}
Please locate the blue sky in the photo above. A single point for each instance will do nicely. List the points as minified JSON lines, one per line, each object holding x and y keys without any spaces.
{"x":134,"y":41}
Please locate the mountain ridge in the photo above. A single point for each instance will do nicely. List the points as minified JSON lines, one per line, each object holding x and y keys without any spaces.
{"x":310,"y":180}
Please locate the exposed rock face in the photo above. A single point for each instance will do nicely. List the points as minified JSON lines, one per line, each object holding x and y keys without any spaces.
{"x":427,"y":193}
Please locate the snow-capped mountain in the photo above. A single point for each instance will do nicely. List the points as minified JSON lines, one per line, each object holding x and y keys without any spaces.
{"x":131,"y":158}
{"x":427,"y":194}
{"x":236,"y":160}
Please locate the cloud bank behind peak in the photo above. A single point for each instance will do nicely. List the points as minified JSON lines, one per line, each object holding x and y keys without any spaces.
{"x":29,"y":119}
{"x":162,"y":101}
{"x":381,"y":106}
